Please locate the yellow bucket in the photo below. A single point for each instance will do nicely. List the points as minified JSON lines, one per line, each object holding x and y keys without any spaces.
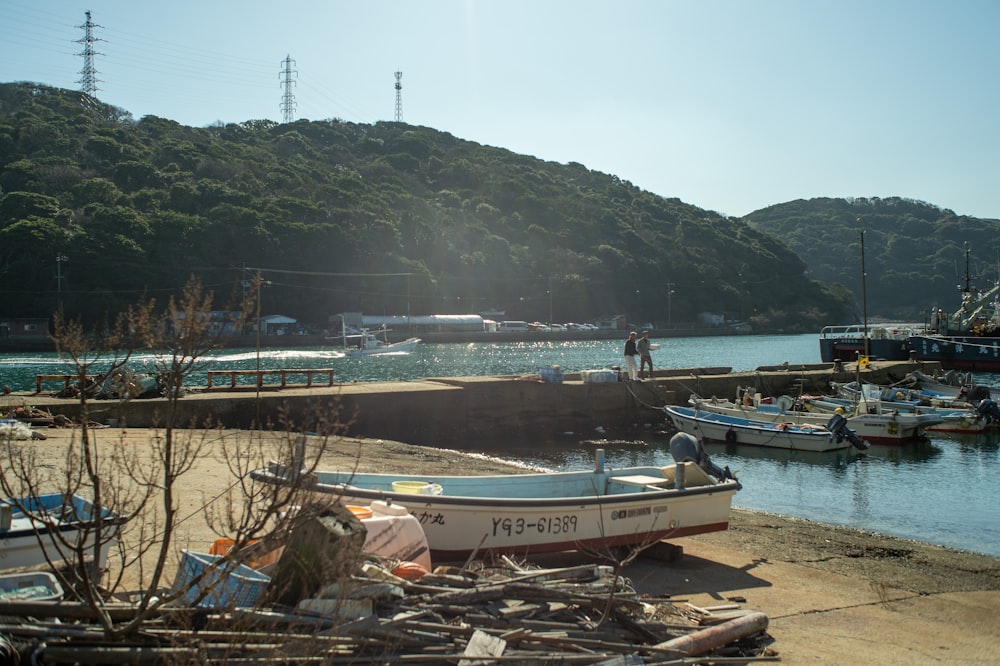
{"x":416,"y":487}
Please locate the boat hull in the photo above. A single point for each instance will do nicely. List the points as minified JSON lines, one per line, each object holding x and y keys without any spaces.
{"x":849,"y":349}
{"x":877,"y":428}
{"x":736,"y":430}
{"x":27,"y":542}
{"x":404,"y":347}
{"x":976,"y":354}
{"x":626,"y":507}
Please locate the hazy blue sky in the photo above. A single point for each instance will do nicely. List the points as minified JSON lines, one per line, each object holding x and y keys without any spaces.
{"x":730,"y":105}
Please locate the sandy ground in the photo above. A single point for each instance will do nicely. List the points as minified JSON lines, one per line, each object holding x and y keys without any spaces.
{"x":833,"y":595}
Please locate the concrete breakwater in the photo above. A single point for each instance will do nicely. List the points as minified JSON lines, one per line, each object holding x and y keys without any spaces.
{"x":462,"y":410}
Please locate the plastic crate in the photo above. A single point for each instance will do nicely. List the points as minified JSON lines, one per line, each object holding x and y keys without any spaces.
{"x":40,"y":586}
{"x":240,"y":586}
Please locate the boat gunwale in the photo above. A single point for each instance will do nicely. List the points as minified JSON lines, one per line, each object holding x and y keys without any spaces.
{"x":744,"y":423}
{"x":644,"y":495}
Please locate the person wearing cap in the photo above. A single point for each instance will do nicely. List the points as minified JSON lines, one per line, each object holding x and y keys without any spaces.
{"x":644,"y":356}
{"x":630,"y":353}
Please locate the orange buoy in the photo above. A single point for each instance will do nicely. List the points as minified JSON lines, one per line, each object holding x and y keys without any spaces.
{"x":410,"y":570}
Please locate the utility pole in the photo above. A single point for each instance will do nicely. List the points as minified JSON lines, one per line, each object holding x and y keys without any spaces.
{"x":670,"y":296}
{"x":88,"y":79}
{"x":287,"y":99}
{"x":550,"y":301}
{"x":60,"y":258}
{"x":864,"y":289}
{"x":399,"y":97}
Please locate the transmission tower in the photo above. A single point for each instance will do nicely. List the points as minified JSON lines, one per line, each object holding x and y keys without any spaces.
{"x":399,"y":97}
{"x":287,"y":99}
{"x":88,"y":75}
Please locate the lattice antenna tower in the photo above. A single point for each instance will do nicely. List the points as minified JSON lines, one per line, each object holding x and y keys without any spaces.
{"x":287,"y":98}
{"x":88,"y":75}
{"x":399,"y":97}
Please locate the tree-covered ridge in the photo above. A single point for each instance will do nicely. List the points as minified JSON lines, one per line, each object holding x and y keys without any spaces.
{"x":914,"y":252}
{"x":452,"y":226}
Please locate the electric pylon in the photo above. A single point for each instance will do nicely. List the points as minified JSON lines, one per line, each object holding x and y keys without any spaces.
{"x":399,"y":97}
{"x":88,"y":79}
{"x":287,"y":99}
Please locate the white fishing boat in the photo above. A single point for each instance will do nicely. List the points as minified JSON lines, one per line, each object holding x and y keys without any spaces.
{"x":593,"y":510}
{"x":913,"y":414}
{"x":27,"y":537}
{"x":369,"y":343}
{"x":743,"y":430}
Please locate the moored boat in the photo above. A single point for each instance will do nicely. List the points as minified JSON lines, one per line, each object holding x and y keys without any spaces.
{"x":879,"y":427}
{"x":887,"y":342}
{"x":967,"y":339}
{"x":891,"y":425}
{"x":742,"y":430}
{"x":591,"y":510}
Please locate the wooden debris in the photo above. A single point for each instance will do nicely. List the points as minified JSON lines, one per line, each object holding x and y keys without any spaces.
{"x":503,"y":614}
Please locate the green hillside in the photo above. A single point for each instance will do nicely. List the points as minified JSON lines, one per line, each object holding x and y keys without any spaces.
{"x":914,"y":252}
{"x":386,"y":218}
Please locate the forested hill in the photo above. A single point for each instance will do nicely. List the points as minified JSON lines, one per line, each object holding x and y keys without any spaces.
{"x":914,"y":252}
{"x":98,"y":209}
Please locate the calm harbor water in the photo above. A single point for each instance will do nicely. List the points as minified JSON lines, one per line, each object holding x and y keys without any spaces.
{"x":942,"y":490}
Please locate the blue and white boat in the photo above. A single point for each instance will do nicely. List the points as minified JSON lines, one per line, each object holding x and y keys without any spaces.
{"x":51,"y":528}
{"x":783,"y":434}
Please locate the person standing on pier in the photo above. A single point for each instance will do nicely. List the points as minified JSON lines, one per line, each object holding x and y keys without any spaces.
{"x":644,"y":356}
{"x":630,"y":353}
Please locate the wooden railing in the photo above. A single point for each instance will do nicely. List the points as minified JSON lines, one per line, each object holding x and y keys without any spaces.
{"x":65,"y":379}
{"x":260,"y":374}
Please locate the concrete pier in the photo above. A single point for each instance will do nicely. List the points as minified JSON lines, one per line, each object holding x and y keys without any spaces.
{"x":463,"y":410}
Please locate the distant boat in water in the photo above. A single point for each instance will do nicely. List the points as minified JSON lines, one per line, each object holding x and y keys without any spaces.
{"x":967,"y":339}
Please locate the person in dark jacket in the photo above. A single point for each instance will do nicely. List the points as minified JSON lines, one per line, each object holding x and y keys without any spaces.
{"x":630,"y":353}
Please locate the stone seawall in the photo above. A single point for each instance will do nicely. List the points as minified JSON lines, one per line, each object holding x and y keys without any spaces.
{"x":463,"y":410}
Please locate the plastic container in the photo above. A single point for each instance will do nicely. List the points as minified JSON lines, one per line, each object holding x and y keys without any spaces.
{"x":39,"y":586}
{"x":417,"y":487}
{"x":360,"y":512}
{"x":239,"y":587}
{"x":394,"y":533}
{"x":603,"y":376}
{"x":551,"y":375}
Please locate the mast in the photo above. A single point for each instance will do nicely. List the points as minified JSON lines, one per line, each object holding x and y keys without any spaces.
{"x":864,"y":292}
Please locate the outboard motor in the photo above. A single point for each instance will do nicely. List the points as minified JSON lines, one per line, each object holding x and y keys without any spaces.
{"x":989,"y":409}
{"x":687,"y":448}
{"x":838,"y":426}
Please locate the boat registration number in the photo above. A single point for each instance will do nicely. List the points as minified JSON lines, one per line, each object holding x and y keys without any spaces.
{"x":544,"y":525}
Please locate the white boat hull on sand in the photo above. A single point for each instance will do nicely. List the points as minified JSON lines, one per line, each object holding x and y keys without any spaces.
{"x":27,"y":541}
{"x":543,"y":512}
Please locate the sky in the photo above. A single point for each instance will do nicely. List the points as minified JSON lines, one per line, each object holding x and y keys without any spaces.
{"x":729,"y":105}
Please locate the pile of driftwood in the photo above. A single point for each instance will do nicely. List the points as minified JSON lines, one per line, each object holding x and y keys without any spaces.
{"x":325,"y":601}
{"x":499,"y":614}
